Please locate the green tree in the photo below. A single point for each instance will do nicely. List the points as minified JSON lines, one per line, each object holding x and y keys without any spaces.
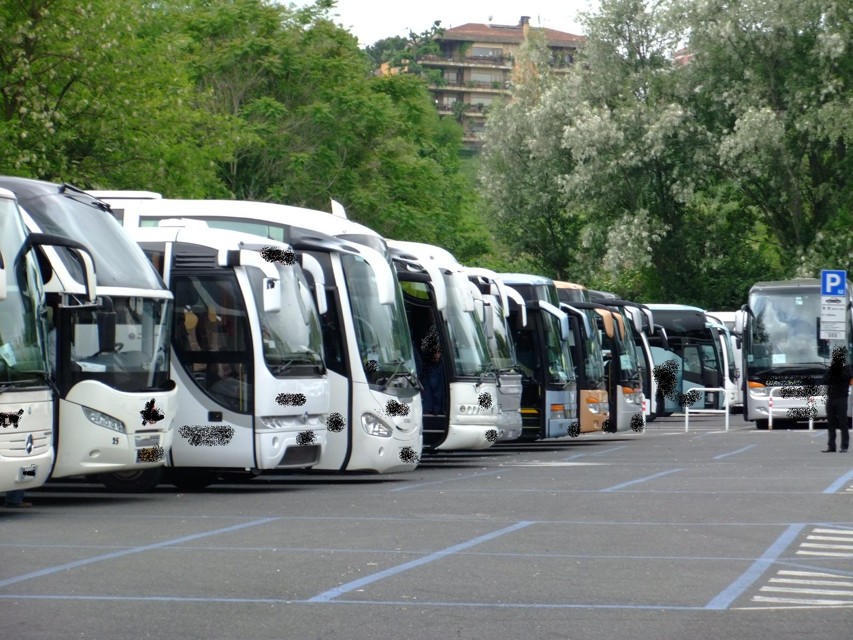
{"x":320,"y":125}
{"x":386,"y":49}
{"x":610,"y":177}
{"x":771,"y":85}
{"x":91,"y":95}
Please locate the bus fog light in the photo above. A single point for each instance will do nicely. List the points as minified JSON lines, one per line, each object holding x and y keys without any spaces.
{"x":373,"y":426}
{"x":103,"y":420}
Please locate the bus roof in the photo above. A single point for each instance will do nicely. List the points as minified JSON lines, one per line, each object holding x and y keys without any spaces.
{"x":524,"y":278}
{"x":786,"y":284}
{"x":673,"y":307}
{"x":422,"y":251}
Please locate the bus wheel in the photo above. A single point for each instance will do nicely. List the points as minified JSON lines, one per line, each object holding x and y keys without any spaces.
{"x":186,"y":480}
{"x":761,"y":424}
{"x":139,"y":481}
{"x":651,"y":417}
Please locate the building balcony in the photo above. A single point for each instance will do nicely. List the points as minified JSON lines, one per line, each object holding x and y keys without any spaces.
{"x":471,"y":110}
{"x":472,"y":86}
{"x":487,"y":62}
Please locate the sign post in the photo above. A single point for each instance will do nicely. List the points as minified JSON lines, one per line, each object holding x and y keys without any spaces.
{"x":833,"y":304}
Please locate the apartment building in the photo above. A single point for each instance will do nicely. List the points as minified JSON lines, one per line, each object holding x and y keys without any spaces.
{"x":475,"y":67}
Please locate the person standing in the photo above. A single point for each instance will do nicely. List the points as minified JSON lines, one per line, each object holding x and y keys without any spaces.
{"x":837,"y":389}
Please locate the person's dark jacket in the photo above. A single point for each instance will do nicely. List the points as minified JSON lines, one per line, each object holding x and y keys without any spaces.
{"x":432,"y":379}
{"x":837,"y":380}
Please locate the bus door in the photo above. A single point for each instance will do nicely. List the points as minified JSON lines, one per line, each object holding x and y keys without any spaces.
{"x":430,"y":344}
{"x":213,"y":344}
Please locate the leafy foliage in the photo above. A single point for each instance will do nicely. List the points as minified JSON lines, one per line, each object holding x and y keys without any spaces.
{"x":682,"y":182}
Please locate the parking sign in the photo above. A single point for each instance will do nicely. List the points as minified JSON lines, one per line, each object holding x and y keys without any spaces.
{"x":833,"y":283}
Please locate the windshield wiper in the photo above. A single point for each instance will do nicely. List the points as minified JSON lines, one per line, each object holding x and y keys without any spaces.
{"x":280,"y":368}
{"x":489,"y":370}
{"x":390,"y":378}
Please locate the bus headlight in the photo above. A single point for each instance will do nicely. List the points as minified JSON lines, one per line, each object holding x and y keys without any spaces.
{"x":469,"y":409}
{"x":597,"y":407}
{"x":373,"y":426}
{"x":103,"y":420}
{"x":558,"y":412}
{"x":594,"y":406}
{"x":634,"y":398}
{"x":758,"y":392}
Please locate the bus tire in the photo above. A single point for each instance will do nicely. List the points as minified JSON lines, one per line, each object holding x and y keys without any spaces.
{"x":138,"y":481}
{"x":191,"y":480}
{"x":651,"y":417}
{"x":761,"y":425}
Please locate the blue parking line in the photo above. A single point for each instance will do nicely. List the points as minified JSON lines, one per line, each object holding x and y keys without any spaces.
{"x":118,"y":554}
{"x":835,"y":486}
{"x":731,"y":453}
{"x":630,"y":482}
{"x":597,"y":453}
{"x":431,"y":482}
{"x":488,"y":605}
{"x":601,"y":453}
{"x":736,"y":588}
{"x":326,"y":596}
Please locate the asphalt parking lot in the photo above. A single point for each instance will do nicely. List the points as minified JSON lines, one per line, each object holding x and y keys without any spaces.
{"x":665,"y":534}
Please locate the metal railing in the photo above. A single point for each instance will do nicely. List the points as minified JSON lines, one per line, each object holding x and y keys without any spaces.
{"x":725,"y":408}
{"x":810,"y":407}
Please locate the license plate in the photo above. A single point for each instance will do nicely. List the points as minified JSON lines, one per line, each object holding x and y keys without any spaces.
{"x":27,"y":474}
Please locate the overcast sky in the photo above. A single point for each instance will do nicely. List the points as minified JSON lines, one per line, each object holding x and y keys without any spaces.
{"x":372,"y":20}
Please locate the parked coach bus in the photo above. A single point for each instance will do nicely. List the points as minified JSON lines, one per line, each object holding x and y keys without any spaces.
{"x":783,"y":347}
{"x":27,"y":437}
{"x":110,"y":361}
{"x":368,"y":351}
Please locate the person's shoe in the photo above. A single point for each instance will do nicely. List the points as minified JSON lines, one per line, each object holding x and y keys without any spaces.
{"x":843,"y":449}
{"x":18,"y":505}
{"x":828,"y":450}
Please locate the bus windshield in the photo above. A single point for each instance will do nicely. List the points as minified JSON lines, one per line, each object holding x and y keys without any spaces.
{"x":291,"y":336}
{"x":467,"y":339}
{"x":140,"y":358}
{"x":381,"y":329}
{"x":593,"y":356}
{"x":501,"y":346}
{"x":785,"y":331}
{"x":119,"y":262}
{"x":559,"y":359}
{"x":22,"y":354}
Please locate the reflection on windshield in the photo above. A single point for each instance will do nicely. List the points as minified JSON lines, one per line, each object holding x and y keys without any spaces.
{"x":785,"y":331}
{"x":594,"y":358}
{"x":382,"y":332}
{"x":467,"y":339}
{"x":501,"y":346}
{"x":139,"y":358}
{"x":559,"y":359}
{"x":119,"y":262}
{"x":291,"y":336}
{"x":22,"y":340}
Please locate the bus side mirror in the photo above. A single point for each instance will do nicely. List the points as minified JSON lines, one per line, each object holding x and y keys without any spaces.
{"x":490,"y":323}
{"x":740,"y":321}
{"x":106,"y":331}
{"x":272,"y":295}
{"x":822,"y":345}
{"x":2,"y":278}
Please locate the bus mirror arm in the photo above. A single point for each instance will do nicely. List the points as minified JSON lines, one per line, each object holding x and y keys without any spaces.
{"x":312,"y":266}
{"x":80,"y":253}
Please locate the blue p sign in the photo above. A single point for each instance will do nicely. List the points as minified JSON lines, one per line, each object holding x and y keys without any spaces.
{"x":833,"y":283}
